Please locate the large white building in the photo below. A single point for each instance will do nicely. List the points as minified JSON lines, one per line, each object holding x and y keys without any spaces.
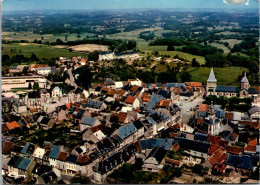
{"x":46,"y":70}
{"x":130,"y":55}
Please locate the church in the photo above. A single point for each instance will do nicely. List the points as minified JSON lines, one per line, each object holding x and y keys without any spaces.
{"x":244,"y":91}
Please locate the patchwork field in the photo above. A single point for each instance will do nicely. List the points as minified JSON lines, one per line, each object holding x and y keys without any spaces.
{"x":41,"y":51}
{"x":232,"y":42}
{"x":221,"y":46}
{"x":89,"y":47}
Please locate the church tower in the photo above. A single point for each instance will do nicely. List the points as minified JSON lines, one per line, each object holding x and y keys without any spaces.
{"x":244,"y":83}
{"x":211,"y":83}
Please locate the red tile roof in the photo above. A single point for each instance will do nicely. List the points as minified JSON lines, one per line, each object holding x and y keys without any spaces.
{"x":83,"y":159}
{"x":229,"y":115}
{"x":176,"y":147}
{"x":130,"y":99}
{"x":195,"y":84}
{"x":138,"y":146}
{"x":7,"y":147}
{"x":252,"y":124}
{"x":213,"y":159}
{"x":220,"y":167}
{"x":165,"y":103}
{"x":111,"y":92}
{"x":200,"y":121}
{"x":134,"y":88}
{"x":250,"y":148}
{"x":99,"y":127}
{"x":234,"y":149}
{"x":62,"y":156}
{"x":4,"y":128}
{"x":204,"y":107}
{"x":213,"y":148}
{"x":12,"y":125}
{"x":252,"y":141}
{"x":122,"y":116}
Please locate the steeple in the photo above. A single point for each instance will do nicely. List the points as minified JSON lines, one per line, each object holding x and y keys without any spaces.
{"x":212,"y":76}
{"x":244,"y":79}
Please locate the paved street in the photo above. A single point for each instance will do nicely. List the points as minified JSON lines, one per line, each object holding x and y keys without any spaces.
{"x":186,"y":106}
{"x":72,"y":81}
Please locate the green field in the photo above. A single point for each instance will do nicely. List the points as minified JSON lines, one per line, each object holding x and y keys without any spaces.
{"x":224,"y":76}
{"x":232,"y":42}
{"x":47,"y":37}
{"x":163,"y":51}
{"x":220,"y":46}
{"x":40,"y":50}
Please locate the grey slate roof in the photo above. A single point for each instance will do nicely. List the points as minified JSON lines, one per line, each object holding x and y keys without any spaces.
{"x":54,"y":152}
{"x":93,"y":104}
{"x":212,"y":76}
{"x":254,"y":110}
{"x":245,"y":162}
{"x":24,"y":163}
{"x":126,"y":130}
{"x":252,"y":91}
{"x":227,"y":89}
{"x":88,"y":121}
{"x":244,"y":79}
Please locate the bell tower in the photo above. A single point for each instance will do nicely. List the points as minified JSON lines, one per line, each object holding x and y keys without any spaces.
{"x":244,"y":83}
{"x":211,"y":83}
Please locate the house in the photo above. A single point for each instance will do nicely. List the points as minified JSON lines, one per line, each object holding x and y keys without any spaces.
{"x":254,"y":113}
{"x":38,"y":155}
{"x":95,"y":133}
{"x":7,"y":147}
{"x":153,"y":161}
{"x":60,"y":163}
{"x":140,"y":128}
{"x":20,"y":166}
{"x":34,"y":67}
{"x":45,"y":122}
{"x":28,"y":150}
{"x":47,"y":178}
{"x":93,"y":105}
{"x":88,"y":122}
{"x":55,"y":151}
{"x":71,"y":164}
{"x":12,"y":125}
{"x":56,"y":92}
{"x":46,"y":70}
{"x":133,"y":102}
{"x":127,"y":133}
{"x":244,"y":91}
{"x":84,"y":165}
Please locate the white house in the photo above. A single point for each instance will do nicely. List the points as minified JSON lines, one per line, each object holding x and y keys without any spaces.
{"x":133,"y":102}
{"x":46,"y":70}
{"x":56,"y":92}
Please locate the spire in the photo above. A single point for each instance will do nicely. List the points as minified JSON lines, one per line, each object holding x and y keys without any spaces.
{"x":244,"y":79}
{"x":212,"y":76}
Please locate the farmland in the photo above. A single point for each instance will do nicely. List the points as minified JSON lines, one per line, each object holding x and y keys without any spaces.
{"x":40,"y":50}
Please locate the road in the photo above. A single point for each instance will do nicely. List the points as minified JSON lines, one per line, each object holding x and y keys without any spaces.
{"x":72,"y":80}
{"x":186,"y":106}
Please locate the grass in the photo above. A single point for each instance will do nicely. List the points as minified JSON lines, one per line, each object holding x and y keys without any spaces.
{"x":163,"y":51}
{"x":40,"y":50}
{"x":221,"y":46}
{"x":224,"y":76}
{"x":47,"y":37}
{"x":232,"y":42}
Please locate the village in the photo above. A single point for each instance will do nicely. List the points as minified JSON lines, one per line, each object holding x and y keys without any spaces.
{"x":56,"y":130}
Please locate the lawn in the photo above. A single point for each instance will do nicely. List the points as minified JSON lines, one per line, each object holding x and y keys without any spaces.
{"x":41,"y":51}
{"x":224,"y":76}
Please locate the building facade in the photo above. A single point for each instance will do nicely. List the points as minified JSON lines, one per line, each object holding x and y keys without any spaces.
{"x":244,"y":91}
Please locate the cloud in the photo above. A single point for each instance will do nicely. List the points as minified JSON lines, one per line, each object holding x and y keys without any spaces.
{"x":237,"y":2}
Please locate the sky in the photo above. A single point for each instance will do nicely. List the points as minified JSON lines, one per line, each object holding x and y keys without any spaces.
{"x":14,"y":5}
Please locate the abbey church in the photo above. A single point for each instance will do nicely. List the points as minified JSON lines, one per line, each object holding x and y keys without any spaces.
{"x":244,"y":91}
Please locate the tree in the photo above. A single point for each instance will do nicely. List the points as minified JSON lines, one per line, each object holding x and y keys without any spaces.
{"x":34,"y":57}
{"x":197,"y":169}
{"x":78,"y":36}
{"x":36,"y":86}
{"x":185,"y":76}
{"x":78,"y":178}
{"x":83,"y":77}
{"x":194,"y":63}
{"x":170,"y":48}
{"x":29,"y":86}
